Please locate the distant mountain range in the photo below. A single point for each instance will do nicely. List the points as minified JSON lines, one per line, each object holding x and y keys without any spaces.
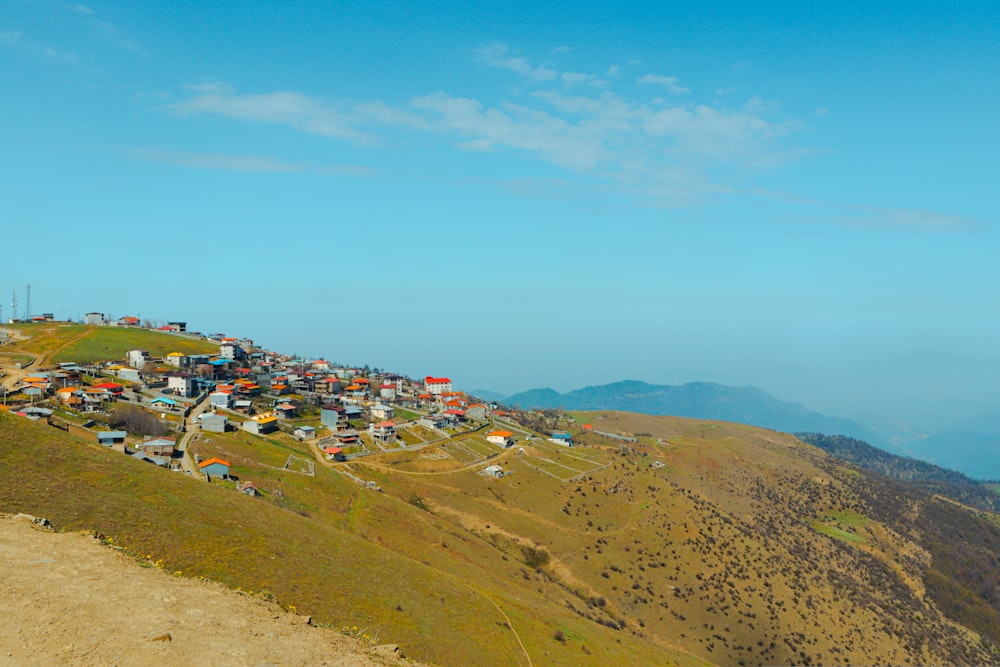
{"x":700,"y":400}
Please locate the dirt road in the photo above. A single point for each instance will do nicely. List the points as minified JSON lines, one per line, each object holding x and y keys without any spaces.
{"x":69,"y":600}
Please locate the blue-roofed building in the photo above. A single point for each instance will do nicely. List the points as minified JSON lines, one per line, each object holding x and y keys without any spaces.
{"x":562,"y":438}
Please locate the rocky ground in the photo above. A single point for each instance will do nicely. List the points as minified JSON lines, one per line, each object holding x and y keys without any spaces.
{"x":68,"y":599}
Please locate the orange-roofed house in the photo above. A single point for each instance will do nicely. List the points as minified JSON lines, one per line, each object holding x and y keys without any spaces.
{"x":261,"y":424}
{"x":502,"y":438}
{"x":214,"y":468}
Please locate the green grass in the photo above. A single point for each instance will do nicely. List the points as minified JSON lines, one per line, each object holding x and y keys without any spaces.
{"x":837,"y":533}
{"x":109,"y":343}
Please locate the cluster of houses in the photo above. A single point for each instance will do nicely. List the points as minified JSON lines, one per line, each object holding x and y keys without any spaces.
{"x":259,"y":391}
{"x":254,"y":389}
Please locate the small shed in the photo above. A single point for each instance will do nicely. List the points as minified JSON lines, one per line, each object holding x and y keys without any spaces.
{"x":305,"y":432}
{"x":214,"y":467}
{"x":111,"y":438}
{"x":494,"y":471}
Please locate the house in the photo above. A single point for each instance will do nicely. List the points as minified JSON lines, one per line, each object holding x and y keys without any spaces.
{"x":178,"y":359}
{"x":305,"y":432}
{"x":383,"y":431}
{"x":155,"y":460}
{"x":261,"y":424}
{"x":181,"y":384}
{"x":111,"y":438}
{"x":110,"y":388}
{"x":137,"y":358}
{"x":562,"y":438}
{"x":383,"y":412}
{"x":213,"y":422}
{"x":494,"y":471}
{"x":285,"y":411}
{"x":352,"y":412}
{"x":334,"y":453}
{"x":221,"y":398}
{"x":477,"y":411}
{"x":231,"y":350}
{"x":249,"y":489}
{"x":501,"y":438}
{"x":128,"y":321}
{"x":214,"y":467}
{"x":129,"y":374}
{"x":347,"y":438}
{"x":66,"y":394}
{"x":93,"y":318}
{"x":178,"y":327}
{"x":160,"y":446}
{"x":162,"y":402}
{"x":437,"y":386}
{"x":334,"y":417}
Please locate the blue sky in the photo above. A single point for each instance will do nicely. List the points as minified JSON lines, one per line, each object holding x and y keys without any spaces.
{"x":515,"y":195}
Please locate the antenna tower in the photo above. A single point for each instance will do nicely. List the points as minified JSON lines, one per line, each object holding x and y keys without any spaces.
{"x":27,"y":302}
{"x":13,"y":304}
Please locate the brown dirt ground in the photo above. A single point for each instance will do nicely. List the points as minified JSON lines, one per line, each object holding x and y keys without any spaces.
{"x":67,"y":599}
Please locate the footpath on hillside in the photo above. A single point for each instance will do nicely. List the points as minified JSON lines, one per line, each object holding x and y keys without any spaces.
{"x":68,"y":599}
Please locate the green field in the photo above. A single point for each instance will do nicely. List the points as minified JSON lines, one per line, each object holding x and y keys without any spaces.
{"x":108,"y":343}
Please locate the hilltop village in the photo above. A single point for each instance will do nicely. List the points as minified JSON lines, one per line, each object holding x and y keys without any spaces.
{"x":155,"y":407}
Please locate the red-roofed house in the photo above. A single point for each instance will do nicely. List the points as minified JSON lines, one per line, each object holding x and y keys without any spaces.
{"x":384,"y":431}
{"x":437,"y":386}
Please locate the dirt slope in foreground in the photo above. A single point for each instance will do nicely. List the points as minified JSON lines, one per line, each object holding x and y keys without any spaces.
{"x":68,"y":599}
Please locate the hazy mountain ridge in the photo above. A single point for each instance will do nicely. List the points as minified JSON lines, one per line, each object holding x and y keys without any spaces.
{"x":923,"y":475}
{"x":699,"y":400}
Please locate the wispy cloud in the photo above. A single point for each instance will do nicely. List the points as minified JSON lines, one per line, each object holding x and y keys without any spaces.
{"x":495,"y":55}
{"x":283,"y":108}
{"x":669,"y":82}
{"x":229,"y":162}
{"x":15,"y":40}
{"x":899,"y":219}
{"x":641,"y":144}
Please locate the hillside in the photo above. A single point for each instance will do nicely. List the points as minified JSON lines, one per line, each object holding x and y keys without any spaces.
{"x":700,"y":543}
{"x":81,"y":602}
{"x":923,"y":475}
{"x":48,"y":343}
{"x":699,"y":400}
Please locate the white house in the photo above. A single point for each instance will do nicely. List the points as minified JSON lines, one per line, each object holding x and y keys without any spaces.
{"x":502,"y":438}
{"x":437,"y":386}
{"x":137,"y":358}
{"x":181,"y":384}
{"x":383,"y":412}
{"x":93,"y":318}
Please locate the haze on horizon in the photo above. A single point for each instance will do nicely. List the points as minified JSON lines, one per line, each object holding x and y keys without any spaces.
{"x":799,"y":198}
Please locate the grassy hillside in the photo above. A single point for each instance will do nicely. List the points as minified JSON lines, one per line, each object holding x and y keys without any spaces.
{"x":702,"y":543}
{"x":54,"y":342}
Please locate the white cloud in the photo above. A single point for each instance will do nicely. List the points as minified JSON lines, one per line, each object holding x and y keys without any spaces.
{"x":650,"y":146}
{"x":669,"y":82}
{"x":283,"y":108}
{"x":495,"y":55}
{"x":230,"y":162}
{"x":16,"y":40}
{"x":901,"y":219}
